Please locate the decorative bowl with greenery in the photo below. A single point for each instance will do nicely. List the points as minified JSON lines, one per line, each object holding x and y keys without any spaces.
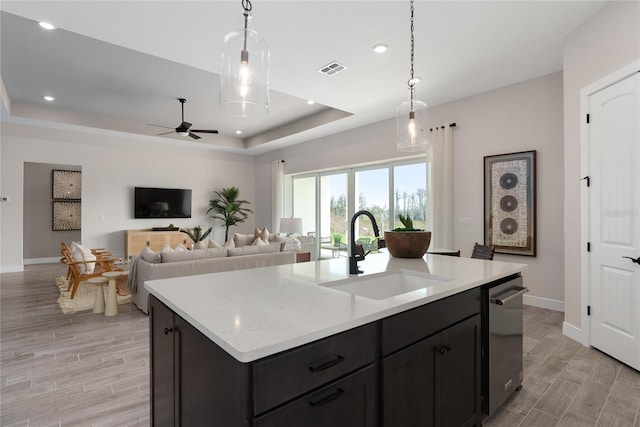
{"x":407,"y":241}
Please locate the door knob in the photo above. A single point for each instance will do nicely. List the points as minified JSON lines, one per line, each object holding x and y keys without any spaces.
{"x":636,"y":260}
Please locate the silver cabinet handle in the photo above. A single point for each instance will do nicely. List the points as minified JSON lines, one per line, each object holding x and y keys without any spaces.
{"x":502,"y":301}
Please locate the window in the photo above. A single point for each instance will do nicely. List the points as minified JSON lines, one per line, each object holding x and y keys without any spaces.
{"x":326,"y":201}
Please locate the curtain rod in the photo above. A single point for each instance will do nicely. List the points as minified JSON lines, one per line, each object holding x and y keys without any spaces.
{"x":451,"y":125}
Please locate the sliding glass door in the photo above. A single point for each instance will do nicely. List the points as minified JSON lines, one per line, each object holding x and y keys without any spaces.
{"x":333,"y":215}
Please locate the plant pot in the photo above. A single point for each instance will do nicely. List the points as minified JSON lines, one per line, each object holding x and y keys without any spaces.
{"x":407,"y":244}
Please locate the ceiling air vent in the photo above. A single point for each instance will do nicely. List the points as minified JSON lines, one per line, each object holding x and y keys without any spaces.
{"x":332,"y":68}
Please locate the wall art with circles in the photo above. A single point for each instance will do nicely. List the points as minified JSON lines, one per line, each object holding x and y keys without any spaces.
{"x":510,"y":203}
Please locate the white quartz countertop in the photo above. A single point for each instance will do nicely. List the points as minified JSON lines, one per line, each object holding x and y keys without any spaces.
{"x":259,"y":312}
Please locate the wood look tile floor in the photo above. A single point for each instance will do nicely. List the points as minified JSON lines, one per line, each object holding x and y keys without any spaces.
{"x":89,"y":370}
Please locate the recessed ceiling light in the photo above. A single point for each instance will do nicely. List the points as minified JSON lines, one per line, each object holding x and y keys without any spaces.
{"x":46,"y":25}
{"x":380,"y":48}
{"x":311,"y":102}
{"x":48,"y":98}
{"x":238,"y":132}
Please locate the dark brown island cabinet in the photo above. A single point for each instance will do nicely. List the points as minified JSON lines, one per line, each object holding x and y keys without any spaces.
{"x":420,"y":367}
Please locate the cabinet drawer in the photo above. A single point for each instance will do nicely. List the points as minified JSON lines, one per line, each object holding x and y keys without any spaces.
{"x":283,"y":377}
{"x":411,"y":326}
{"x":350,"y":402}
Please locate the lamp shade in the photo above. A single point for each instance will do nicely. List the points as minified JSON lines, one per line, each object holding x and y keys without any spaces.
{"x":291,"y":225}
{"x":412,"y":129}
{"x":244,"y":74}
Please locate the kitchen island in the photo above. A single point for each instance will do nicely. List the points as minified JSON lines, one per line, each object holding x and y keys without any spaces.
{"x":307,"y":344}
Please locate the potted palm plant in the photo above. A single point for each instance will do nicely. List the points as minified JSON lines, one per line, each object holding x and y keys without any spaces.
{"x":228,"y":208}
{"x":407,"y":241}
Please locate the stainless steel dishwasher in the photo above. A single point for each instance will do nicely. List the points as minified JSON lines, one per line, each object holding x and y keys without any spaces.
{"x":502,"y":342}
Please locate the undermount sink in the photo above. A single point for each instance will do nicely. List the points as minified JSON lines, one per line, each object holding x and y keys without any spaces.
{"x":386,"y":285}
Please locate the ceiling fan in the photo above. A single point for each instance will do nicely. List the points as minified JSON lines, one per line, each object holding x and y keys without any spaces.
{"x":185,"y":127}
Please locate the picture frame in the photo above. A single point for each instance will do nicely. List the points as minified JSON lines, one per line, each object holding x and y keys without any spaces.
{"x":66,"y":184}
{"x":66,"y":216}
{"x":510,"y":203}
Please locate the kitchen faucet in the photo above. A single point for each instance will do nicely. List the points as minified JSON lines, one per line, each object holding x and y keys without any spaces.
{"x":358,"y":255}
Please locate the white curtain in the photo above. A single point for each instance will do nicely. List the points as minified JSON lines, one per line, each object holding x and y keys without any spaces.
{"x":440,"y":187}
{"x":277,"y":194}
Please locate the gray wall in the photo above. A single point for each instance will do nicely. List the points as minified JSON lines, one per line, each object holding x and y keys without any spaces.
{"x":604,"y":44}
{"x":524,"y":116}
{"x":40,"y":241}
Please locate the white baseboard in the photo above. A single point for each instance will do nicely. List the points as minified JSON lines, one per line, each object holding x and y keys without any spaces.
{"x":11,"y":268}
{"x":574,"y":333}
{"x":547,"y":303}
{"x":41,"y":260}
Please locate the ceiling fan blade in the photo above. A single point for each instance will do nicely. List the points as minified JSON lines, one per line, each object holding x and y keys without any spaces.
{"x":158,"y":126}
{"x":165,"y":133}
{"x":204,"y":130}
{"x":193,"y":135}
{"x":185,"y":125}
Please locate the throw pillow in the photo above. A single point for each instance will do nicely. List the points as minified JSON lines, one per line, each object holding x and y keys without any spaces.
{"x":263,"y":234}
{"x":180,"y":248}
{"x":166,"y":248}
{"x":213,"y":244}
{"x":243,"y":239}
{"x":258,"y":242}
{"x":150,"y":256}
{"x":200,"y":245}
{"x":229,"y":244}
{"x":80,"y":253}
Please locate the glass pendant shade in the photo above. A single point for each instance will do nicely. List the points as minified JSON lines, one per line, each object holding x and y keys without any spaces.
{"x":244,"y":74}
{"x":412,"y":126}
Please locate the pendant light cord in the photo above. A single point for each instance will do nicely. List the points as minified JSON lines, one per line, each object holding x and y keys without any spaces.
{"x":247,"y":6}
{"x":411,"y":81}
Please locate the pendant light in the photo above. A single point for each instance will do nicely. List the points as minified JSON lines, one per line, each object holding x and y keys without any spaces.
{"x":244,"y":71}
{"x":411,"y":115}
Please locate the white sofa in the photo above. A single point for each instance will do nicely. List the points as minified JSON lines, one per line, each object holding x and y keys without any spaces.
{"x":201,"y":261}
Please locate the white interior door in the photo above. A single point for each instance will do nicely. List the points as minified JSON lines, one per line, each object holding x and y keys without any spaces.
{"x":614,"y":211}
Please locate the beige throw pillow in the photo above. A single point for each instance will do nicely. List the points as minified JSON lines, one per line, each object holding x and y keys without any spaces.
{"x":150,"y":256}
{"x":258,"y":242}
{"x":213,"y":244}
{"x":80,"y":253}
{"x":243,"y":239}
{"x":229,"y":244}
{"x":263,"y":234}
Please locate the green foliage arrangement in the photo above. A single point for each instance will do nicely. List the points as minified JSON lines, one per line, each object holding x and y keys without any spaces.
{"x":228,"y":208}
{"x":337,"y":239}
{"x":408,"y":224}
{"x":196,"y":234}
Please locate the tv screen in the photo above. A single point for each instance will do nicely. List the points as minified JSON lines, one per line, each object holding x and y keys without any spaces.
{"x":162,"y":203}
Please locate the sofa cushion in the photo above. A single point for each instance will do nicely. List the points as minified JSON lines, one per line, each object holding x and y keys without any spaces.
{"x":229,"y":244}
{"x":80,"y":253}
{"x":150,"y":256}
{"x":250,"y":250}
{"x":177,"y":256}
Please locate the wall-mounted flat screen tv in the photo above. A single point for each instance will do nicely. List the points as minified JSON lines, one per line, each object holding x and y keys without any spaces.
{"x":162,"y":203}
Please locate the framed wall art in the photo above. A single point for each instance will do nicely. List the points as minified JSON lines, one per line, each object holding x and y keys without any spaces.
{"x":66,"y":216}
{"x":66,"y":184}
{"x":510,"y":203}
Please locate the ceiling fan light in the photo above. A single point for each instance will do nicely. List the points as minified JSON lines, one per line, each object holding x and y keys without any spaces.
{"x":183,"y":132}
{"x":244,"y":73}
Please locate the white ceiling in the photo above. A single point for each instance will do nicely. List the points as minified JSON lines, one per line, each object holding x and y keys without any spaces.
{"x":120,"y":65}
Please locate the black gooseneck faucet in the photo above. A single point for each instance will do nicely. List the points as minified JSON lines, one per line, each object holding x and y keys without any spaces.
{"x":358,"y":255}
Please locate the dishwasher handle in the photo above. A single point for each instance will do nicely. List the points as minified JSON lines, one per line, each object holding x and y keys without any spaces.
{"x":503,"y":301}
